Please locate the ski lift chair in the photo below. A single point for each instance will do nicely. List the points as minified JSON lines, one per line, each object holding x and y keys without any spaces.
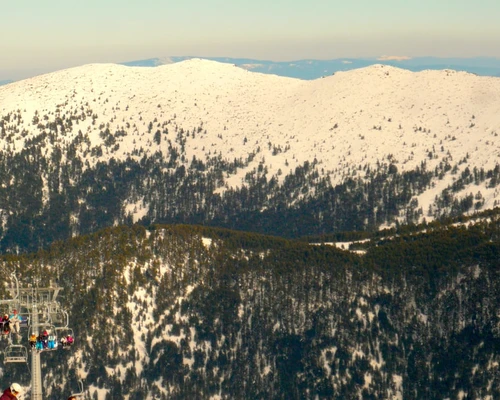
{"x":15,"y":353}
{"x":80,"y":394}
{"x":62,"y":333}
{"x":25,"y":321}
{"x":59,"y":317}
{"x":52,"y":332}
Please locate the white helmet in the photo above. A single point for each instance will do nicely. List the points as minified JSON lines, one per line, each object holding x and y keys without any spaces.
{"x":15,"y":387}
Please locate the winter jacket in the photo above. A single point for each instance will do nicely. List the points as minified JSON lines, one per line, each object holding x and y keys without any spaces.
{"x":7,"y":395}
{"x":15,"y":318}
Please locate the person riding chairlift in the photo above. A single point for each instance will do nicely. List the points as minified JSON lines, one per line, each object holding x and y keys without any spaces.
{"x":6,"y":324}
{"x":52,"y":341}
{"x":45,"y":338}
{"x":67,"y":341}
{"x":33,"y":341}
{"x":15,"y":321}
{"x":39,"y":343}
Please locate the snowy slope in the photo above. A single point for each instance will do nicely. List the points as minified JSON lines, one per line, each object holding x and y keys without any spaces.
{"x":378,"y":114}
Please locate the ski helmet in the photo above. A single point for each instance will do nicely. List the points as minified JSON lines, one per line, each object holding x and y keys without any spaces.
{"x":15,"y":387}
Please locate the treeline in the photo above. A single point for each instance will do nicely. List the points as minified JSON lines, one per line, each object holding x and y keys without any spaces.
{"x":45,"y":198}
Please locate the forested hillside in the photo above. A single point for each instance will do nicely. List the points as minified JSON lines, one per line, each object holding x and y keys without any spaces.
{"x":44,"y":198}
{"x":177,"y":312}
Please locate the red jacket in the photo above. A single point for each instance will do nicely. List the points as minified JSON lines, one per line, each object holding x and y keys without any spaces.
{"x":7,"y":395}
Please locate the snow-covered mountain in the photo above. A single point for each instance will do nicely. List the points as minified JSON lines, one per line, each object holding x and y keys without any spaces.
{"x":178,"y":311}
{"x":347,"y":124}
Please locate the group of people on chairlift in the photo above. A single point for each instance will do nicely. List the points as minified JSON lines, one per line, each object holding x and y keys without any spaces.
{"x":44,"y":341}
{"x":11,"y":322}
{"x":48,"y":341}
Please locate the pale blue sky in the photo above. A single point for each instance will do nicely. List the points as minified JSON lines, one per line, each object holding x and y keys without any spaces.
{"x":44,"y":35}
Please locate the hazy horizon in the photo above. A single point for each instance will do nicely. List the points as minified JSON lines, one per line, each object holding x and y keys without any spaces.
{"x":52,"y":35}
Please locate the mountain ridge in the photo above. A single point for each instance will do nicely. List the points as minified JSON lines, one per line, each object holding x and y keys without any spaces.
{"x":251,"y":110}
{"x":210,"y":143}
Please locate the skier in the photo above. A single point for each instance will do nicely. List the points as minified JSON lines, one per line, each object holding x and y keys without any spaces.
{"x":45,"y":338}
{"x":6,"y":324}
{"x":52,"y":341}
{"x":13,"y":392}
{"x":33,"y":340}
{"x":15,"y":321}
{"x":39,"y":342}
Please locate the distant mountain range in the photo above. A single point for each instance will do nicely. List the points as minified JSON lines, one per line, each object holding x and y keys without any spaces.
{"x":313,"y":69}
